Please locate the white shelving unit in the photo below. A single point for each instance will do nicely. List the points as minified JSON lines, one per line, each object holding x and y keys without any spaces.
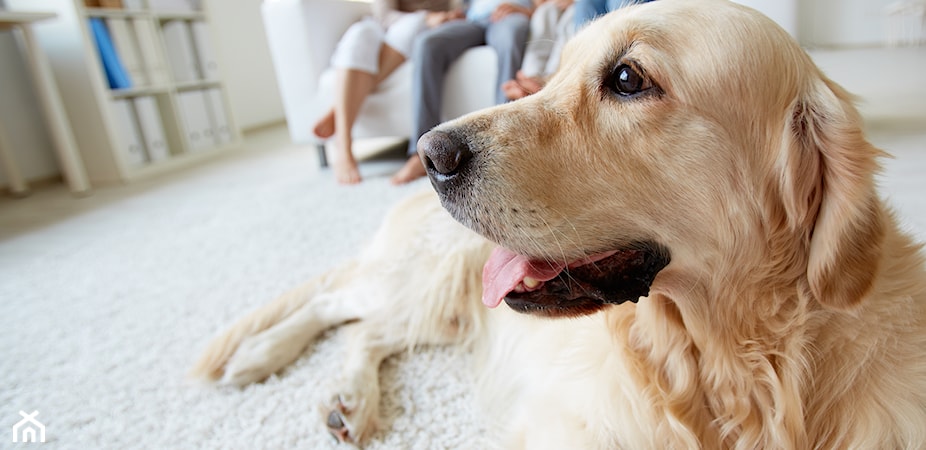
{"x":190,"y":130}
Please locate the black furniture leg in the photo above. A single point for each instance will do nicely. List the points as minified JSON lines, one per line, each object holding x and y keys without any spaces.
{"x":322,"y":156}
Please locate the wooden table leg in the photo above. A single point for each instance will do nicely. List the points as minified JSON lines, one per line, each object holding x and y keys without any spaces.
{"x":68,"y":156}
{"x":17,"y":183}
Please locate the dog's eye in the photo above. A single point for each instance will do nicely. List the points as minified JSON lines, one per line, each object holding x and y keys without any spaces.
{"x":626,"y":81}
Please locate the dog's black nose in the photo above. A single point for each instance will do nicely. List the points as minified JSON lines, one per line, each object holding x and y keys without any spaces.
{"x":444,"y":156}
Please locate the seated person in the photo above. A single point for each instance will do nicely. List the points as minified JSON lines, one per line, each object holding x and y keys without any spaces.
{"x":367,"y":54}
{"x":553,"y":23}
{"x":551,"y":26}
{"x":501,"y":24}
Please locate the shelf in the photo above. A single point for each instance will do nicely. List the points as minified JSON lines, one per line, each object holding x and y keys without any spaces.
{"x":179,"y":15}
{"x":114,"y":13}
{"x":197,"y":84}
{"x":19,"y":17}
{"x":178,"y":161}
{"x":158,"y":125}
{"x":138,"y":91}
{"x":132,"y":13}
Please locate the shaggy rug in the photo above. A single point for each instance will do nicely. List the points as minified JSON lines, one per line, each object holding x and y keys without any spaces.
{"x":105,"y":311}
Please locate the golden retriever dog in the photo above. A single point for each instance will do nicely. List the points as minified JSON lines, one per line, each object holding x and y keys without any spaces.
{"x":685,"y":229}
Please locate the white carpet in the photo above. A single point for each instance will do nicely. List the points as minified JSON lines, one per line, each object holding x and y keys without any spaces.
{"x":106,"y":301}
{"x":105,"y":311}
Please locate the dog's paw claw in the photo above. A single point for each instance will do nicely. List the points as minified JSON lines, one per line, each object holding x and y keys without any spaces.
{"x":337,"y":423}
{"x":337,"y":427}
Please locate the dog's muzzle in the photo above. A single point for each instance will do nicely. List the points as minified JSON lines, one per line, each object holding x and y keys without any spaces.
{"x":446,"y":158}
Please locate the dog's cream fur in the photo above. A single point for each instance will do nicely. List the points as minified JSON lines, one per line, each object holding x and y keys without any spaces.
{"x":792,"y":314}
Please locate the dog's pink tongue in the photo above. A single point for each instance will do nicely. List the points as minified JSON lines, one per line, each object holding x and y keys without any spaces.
{"x":505,"y":270}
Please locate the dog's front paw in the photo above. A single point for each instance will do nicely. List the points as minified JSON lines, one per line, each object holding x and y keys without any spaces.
{"x":349,"y":417}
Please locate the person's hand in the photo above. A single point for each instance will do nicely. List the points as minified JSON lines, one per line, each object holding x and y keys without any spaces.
{"x":435,"y":18}
{"x":508,"y":8}
{"x":562,"y":5}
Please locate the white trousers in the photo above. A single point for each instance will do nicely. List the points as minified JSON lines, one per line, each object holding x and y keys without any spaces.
{"x":360,"y":46}
{"x":550,"y":29}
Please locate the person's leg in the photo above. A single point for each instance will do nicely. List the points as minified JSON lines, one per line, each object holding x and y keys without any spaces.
{"x":389,"y":60}
{"x":357,"y":49}
{"x":352,"y":88}
{"x":355,"y":81}
{"x":351,"y":92}
{"x":565,"y":29}
{"x":356,"y":60}
{"x":433,"y":52}
{"x":543,"y":29}
{"x":508,"y":37}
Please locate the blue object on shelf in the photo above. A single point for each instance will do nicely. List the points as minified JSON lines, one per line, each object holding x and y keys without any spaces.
{"x":116,"y":74}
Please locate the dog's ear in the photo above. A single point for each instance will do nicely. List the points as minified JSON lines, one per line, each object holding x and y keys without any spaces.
{"x":827,"y":173}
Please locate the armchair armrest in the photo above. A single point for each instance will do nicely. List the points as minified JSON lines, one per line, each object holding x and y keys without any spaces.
{"x":302,"y":35}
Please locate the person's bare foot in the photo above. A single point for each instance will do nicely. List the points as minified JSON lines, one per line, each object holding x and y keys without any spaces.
{"x":531,"y":85}
{"x":346,"y":171}
{"x":513,"y":90}
{"x":324,"y":128}
{"x":412,"y":170}
{"x":522,"y":86}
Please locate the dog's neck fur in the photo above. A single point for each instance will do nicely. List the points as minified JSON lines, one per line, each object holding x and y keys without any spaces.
{"x":762,"y":391}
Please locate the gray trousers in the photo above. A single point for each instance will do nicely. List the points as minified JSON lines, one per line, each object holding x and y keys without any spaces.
{"x":437,"y":48}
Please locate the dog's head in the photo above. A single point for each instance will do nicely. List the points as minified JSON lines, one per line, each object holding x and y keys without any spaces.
{"x":684,"y":134}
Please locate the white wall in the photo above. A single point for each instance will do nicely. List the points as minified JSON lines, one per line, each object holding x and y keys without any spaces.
{"x":842,"y":23}
{"x":829,"y":23}
{"x":783,"y":12}
{"x":246,"y":66}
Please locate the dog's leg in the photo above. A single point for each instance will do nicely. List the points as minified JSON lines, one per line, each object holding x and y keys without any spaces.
{"x":353,"y":410}
{"x":436,"y":303}
{"x":275,"y":335}
{"x":266,"y":353}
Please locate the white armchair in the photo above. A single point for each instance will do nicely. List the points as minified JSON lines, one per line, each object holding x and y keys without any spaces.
{"x":302,"y":35}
